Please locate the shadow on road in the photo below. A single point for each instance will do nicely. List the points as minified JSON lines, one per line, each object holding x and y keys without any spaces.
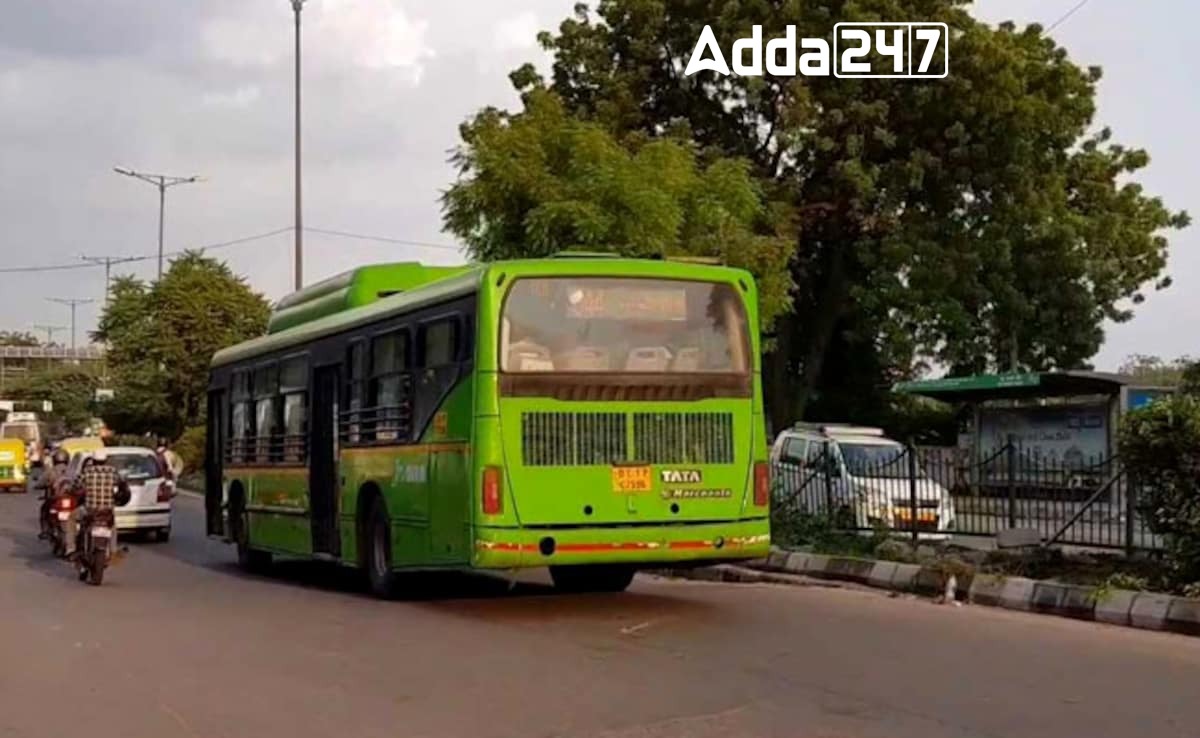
{"x":19,"y":526}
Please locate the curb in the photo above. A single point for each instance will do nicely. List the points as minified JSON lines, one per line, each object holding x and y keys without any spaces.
{"x":1146,"y":610}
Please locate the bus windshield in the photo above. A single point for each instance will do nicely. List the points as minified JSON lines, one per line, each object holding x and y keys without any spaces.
{"x":619,"y":325}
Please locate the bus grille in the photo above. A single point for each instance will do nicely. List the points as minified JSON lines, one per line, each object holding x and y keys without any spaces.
{"x":683,"y":438}
{"x":572,"y":439}
{"x":597,"y":439}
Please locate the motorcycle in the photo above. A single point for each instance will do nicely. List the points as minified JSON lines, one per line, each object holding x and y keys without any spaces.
{"x":56,"y":511}
{"x":94,"y":545}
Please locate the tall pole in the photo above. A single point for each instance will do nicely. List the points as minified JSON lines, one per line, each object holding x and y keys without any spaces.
{"x":73,"y":303}
{"x":297,"y":6}
{"x":162,"y":182}
{"x":50,"y":331}
{"x":109,"y":261}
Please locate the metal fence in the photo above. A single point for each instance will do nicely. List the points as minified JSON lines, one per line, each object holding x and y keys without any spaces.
{"x":940,"y":494}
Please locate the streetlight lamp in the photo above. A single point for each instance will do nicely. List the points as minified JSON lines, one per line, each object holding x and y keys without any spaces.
{"x":297,"y":6}
{"x":162,"y":182}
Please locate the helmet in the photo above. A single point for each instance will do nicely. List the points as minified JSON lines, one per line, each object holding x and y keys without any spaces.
{"x":61,"y":456}
{"x":100,"y":455}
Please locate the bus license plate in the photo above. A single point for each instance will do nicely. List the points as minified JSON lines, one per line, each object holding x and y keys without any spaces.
{"x":631,"y":479}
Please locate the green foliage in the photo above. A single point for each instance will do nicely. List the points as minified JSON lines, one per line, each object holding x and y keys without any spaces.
{"x":71,"y":389}
{"x":1160,"y":448}
{"x":1158,"y":371}
{"x":161,"y":338}
{"x":192,"y":447}
{"x":18,"y":338}
{"x":973,"y":220}
{"x":540,"y":181}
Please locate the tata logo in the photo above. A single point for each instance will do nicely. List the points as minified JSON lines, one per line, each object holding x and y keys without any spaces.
{"x":681,"y":476}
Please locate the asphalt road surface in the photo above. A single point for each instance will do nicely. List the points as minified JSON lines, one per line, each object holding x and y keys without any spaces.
{"x":178,"y":642}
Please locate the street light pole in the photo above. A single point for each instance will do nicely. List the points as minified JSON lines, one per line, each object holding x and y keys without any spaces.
{"x":50,"y":331}
{"x":297,"y":6}
{"x":109,"y":261}
{"x":162,"y":182}
{"x":73,"y":303}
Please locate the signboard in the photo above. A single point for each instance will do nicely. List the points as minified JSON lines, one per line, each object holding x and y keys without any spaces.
{"x":627,"y":303}
{"x":1139,"y":398}
{"x":1061,"y":437}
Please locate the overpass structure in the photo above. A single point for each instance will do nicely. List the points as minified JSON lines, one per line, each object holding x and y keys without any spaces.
{"x":17,"y":361}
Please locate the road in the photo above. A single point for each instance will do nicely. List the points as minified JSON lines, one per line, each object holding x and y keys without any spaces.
{"x":178,"y":642}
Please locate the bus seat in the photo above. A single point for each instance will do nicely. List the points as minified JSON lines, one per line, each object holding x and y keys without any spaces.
{"x":526,"y":356}
{"x":648,"y":359}
{"x":584,"y":359}
{"x":687,"y":360}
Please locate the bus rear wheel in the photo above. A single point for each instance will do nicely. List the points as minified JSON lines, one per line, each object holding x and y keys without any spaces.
{"x":249,"y":559}
{"x":592,"y":578}
{"x":384,"y":581}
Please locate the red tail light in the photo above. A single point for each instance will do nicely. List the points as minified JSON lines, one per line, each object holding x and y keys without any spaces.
{"x":762,"y":484}
{"x":493,"y":497}
{"x":166,"y":491}
{"x":65,"y":503}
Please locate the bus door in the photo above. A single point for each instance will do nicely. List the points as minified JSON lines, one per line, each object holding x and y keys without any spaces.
{"x":322,"y":463}
{"x":218,"y":427}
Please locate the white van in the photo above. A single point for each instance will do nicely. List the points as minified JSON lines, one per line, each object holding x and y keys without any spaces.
{"x":858,"y":472}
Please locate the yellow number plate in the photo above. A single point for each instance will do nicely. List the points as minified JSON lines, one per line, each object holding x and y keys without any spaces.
{"x":923,"y":517}
{"x":631,"y":479}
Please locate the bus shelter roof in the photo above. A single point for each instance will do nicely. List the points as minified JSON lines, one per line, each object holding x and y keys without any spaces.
{"x":1025,"y":385}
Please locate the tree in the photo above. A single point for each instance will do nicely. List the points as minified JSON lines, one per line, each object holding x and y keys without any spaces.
{"x":540,"y":181}
{"x":1156,"y":370}
{"x":18,"y":338}
{"x":979,"y":221}
{"x":70,"y":388}
{"x":161,"y":338}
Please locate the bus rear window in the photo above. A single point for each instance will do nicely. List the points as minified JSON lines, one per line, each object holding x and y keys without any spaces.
{"x":623,"y":325}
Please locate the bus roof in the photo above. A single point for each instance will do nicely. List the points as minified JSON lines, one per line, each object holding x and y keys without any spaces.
{"x":463,"y":280}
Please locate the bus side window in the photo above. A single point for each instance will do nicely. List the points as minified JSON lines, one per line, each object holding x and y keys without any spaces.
{"x":293,"y":389}
{"x":389,"y":386}
{"x":268,"y":442}
{"x":356,"y":377}
{"x":241,"y":418}
{"x":441,"y":352}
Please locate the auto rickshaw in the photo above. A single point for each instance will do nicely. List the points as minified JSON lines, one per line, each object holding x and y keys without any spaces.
{"x":12,"y":465}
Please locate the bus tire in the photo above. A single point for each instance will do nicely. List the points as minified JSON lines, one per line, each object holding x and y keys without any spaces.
{"x":249,"y":559}
{"x":378,"y":549}
{"x":592,"y":578}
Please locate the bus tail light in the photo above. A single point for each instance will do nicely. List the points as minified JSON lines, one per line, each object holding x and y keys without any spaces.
{"x":493,"y":498}
{"x":762,"y":483}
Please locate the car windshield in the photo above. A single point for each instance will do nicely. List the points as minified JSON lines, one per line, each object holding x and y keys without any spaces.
{"x":25,"y":431}
{"x":876,"y":460}
{"x":135,"y":466}
{"x":618,"y":325}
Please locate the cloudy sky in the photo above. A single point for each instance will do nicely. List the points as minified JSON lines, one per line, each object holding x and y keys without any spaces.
{"x":203,"y":87}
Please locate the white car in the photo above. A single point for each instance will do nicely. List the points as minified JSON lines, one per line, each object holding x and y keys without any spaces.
{"x":151,"y":489}
{"x":861,"y":474}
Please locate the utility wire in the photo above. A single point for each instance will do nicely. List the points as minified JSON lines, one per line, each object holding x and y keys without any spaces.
{"x":384,"y":239}
{"x":227,"y":244}
{"x":1066,"y":15}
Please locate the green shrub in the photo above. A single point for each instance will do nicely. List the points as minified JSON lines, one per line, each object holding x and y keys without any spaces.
{"x":191,"y":448}
{"x":1160,"y":448}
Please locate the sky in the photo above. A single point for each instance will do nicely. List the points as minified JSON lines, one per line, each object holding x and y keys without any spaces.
{"x":204,"y":87}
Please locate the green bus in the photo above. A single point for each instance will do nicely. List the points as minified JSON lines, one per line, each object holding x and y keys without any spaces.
{"x":591,"y":414}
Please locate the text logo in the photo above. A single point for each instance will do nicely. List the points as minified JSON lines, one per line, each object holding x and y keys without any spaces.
{"x":872,"y":50}
{"x":891,"y":50}
{"x":697,"y":494}
{"x":681,"y":476}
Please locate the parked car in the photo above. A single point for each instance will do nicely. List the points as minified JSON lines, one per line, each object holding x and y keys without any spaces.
{"x":860,"y":474}
{"x":150,"y":485}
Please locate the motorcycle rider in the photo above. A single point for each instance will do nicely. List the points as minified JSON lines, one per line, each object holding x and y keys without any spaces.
{"x":100,"y":487}
{"x":50,"y":480}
